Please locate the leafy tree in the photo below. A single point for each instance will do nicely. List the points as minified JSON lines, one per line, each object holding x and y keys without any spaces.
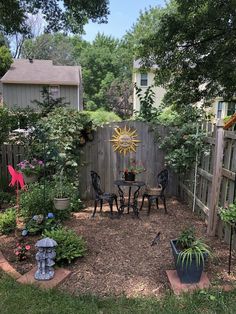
{"x":57,"y":47}
{"x":119,"y":98}
{"x":5,"y":60}
{"x":60,"y":15}
{"x":145,"y":26}
{"x":194,"y":48}
{"x":147,"y":111}
{"x":102,"y":64}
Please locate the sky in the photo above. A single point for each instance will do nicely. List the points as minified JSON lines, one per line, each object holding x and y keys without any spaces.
{"x":123,"y":14}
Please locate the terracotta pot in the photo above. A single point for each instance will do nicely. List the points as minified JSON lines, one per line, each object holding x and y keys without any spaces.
{"x":30,"y":179}
{"x":129,"y":176}
{"x":61,"y":203}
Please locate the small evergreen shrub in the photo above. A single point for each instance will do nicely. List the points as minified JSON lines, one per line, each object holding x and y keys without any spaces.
{"x":8,"y":221}
{"x":70,"y":245}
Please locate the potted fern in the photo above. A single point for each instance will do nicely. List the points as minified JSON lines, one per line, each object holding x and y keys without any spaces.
{"x":61,"y":193}
{"x":189,"y":254}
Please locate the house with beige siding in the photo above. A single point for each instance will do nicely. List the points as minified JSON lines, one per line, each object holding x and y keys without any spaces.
{"x":144,"y":78}
{"x":25,"y":80}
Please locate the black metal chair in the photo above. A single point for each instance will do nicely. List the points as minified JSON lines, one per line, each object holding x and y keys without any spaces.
{"x":153,"y":194}
{"x":101,"y":196}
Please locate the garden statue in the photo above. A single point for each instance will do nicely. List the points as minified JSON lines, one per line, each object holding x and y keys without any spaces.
{"x":45,"y":259}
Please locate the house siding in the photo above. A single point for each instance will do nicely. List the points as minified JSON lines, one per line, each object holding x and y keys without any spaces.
{"x":70,"y":94}
{"x":22,"y":95}
{"x":159,"y":91}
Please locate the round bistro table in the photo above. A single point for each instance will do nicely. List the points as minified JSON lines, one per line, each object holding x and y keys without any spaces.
{"x":134,"y":205}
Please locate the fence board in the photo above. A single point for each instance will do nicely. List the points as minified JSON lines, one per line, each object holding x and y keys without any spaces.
{"x":100,"y":157}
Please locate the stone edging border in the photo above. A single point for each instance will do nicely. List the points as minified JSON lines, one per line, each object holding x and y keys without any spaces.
{"x":60,"y":275}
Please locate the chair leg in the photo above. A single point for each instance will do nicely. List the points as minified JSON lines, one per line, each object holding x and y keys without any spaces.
{"x":142,"y":202}
{"x":157,"y":203}
{"x":111,"y":207}
{"x":164,"y":202}
{"x":149,"y":205}
{"x":101,"y":203}
{"x":118,"y":210}
{"x":95,"y":208}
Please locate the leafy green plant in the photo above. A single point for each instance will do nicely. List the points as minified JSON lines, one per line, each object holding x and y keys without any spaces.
{"x":5,"y":198}
{"x":147,"y":111}
{"x":186,"y":238}
{"x":228,"y":214}
{"x":70,"y":245}
{"x":36,"y":200}
{"x":191,"y":248}
{"x":101,"y":116}
{"x":8,"y":221}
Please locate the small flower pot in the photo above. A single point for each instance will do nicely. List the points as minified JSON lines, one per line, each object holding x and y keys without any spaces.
{"x":61,"y":203}
{"x":30,"y":178}
{"x":129,"y":176}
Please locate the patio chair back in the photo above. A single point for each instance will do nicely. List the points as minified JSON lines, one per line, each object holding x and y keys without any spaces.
{"x":162,"y":179}
{"x":96,"y":183}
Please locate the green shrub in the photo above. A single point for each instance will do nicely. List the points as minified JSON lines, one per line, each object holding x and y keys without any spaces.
{"x":33,"y":202}
{"x":8,"y":221}
{"x":5,"y":198}
{"x":70,"y":245}
{"x":101,"y":116}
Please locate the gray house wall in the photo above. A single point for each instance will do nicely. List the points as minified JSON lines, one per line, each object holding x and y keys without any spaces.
{"x":22,"y":95}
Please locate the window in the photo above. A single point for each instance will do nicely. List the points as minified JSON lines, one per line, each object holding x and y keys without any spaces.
{"x":231,"y":108}
{"x":54,"y":91}
{"x":219,"y":109}
{"x":144,"y":79}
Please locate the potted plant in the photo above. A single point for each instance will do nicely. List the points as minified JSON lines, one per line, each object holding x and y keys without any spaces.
{"x":133,"y":169}
{"x":30,"y":169}
{"x":61,"y":192}
{"x":189,"y":255}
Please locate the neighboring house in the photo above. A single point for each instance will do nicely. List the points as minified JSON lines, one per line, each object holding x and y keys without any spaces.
{"x":222,"y":109}
{"x":25,"y":80}
{"x":143,"y":79}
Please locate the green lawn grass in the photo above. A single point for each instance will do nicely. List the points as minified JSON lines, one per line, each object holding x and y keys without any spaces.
{"x":23,"y":299}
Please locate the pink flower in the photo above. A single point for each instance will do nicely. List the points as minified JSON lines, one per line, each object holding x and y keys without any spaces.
{"x":19,"y":247}
{"x":17,"y":252}
{"x":27,"y":247}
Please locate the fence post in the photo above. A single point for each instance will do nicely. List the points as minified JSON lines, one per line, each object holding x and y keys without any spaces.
{"x":216,"y":181}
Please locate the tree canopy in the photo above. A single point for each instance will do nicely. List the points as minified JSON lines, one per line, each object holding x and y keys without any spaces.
{"x":66,"y":15}
{"x":194,"y":48}
{"x":5,"y":59}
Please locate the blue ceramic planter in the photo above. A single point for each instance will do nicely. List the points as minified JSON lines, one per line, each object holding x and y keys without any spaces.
{"x":187,"y":274}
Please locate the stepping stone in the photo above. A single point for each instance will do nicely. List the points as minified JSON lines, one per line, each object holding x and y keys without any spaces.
{"x":179,"y":287}
{"x":60,"y":275}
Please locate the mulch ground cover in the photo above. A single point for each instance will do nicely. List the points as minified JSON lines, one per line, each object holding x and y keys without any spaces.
{"x":120,"y":258}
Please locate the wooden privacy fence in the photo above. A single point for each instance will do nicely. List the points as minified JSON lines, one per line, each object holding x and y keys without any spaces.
{"x":215,"y":177}
{"x":9,"y":155}
{"x":99,"y":156}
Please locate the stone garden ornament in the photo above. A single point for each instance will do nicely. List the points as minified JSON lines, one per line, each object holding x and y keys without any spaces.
{"x":45,"y":259}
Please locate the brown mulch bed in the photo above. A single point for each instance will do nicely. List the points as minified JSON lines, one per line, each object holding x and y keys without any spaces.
{"x":120,"y":258}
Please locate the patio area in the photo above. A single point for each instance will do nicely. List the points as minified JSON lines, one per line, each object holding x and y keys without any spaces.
{"x":120,"y":259}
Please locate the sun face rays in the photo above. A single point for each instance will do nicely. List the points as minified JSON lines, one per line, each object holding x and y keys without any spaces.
{"x":124,"y":140}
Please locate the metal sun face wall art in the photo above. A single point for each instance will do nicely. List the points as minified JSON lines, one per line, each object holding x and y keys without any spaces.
{"x":124,"y":140}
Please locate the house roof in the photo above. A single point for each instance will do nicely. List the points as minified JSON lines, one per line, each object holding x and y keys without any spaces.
{"x":22,"y":71}
{"x":138,"y":64}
